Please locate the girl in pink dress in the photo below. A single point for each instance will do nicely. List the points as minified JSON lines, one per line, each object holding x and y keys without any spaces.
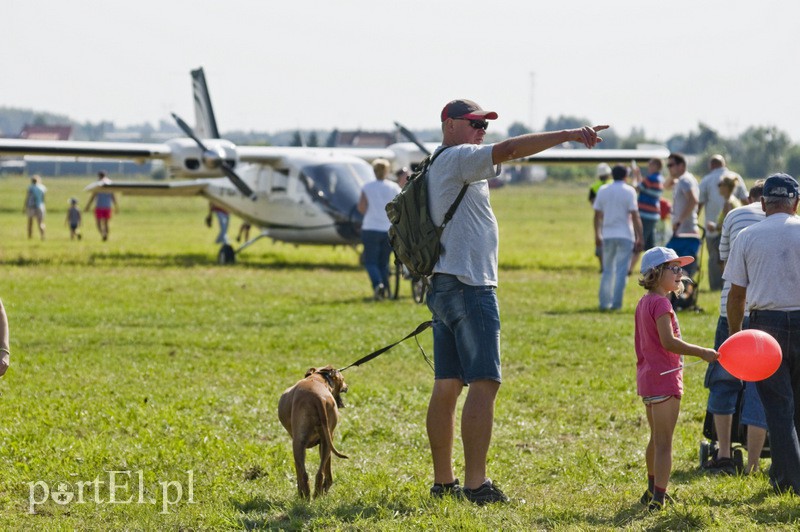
{"x":659,"y":362}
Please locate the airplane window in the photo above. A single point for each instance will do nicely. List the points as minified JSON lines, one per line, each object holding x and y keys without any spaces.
{"x":337,"y":184}
{"x":280,"y":178}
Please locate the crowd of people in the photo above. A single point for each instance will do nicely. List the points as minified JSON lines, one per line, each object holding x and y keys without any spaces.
{"x":747,"y":265}
{"x":34,"y":209}
{"x":105,"y":204}
{"x":753,"y":242}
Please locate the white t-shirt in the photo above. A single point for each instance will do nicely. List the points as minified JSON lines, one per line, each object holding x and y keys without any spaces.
{"x":617,"y":201}
{"x":378,"y":194}
{"x":764,"y":259}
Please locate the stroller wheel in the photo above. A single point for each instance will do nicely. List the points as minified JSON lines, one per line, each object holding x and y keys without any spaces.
{"x":738,"y":460}
{"x":705,"y":453}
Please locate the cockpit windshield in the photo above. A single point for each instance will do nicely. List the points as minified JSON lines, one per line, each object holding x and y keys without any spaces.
{"x":338,"y":185}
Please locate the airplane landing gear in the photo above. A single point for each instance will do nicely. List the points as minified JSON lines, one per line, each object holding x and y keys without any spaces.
{"x":226,"y":255}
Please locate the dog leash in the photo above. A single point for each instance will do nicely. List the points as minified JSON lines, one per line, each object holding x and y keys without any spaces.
{"x":421,"y":327}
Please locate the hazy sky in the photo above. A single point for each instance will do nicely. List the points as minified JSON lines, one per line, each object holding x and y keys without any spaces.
{"x":271,"y":65}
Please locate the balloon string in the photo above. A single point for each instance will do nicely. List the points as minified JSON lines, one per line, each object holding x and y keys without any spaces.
{"x":681,"y":367}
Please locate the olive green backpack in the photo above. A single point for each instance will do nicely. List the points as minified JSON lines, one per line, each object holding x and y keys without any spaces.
{"x":414,"y":237}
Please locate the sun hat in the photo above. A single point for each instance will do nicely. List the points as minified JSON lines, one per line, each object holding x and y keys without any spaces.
{"x":602,"y":169}
{"x":657,"y":256}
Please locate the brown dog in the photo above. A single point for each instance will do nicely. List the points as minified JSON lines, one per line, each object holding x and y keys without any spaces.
{"x":310,"y":411}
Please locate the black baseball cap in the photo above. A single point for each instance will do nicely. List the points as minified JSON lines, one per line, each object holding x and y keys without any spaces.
{"x":780,"y":186}
{"x":466,"y":109}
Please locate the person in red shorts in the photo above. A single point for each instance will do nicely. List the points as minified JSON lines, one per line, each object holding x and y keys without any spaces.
{"x":103,"y":201}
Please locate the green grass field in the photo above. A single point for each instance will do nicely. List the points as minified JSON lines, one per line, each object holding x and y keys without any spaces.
{"x":145,"y":379}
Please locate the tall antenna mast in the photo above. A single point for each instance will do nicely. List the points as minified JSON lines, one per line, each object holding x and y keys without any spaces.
{"x":531,"y":102}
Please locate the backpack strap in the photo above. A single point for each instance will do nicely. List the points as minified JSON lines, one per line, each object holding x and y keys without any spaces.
{"x":452,"y":210}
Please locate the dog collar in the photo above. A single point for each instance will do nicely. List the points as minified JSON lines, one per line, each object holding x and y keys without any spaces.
{"x":327,"y":379}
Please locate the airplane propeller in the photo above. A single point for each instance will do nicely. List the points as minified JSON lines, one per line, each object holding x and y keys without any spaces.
{"x":216,"y":159}
{"x":412,"y":137}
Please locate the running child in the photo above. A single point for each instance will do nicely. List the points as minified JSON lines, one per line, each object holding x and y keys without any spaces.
{"x":73,"y":219}
{"x":659,"y":349}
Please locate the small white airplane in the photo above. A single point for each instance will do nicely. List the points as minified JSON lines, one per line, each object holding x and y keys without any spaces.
{"x":293,"y":194}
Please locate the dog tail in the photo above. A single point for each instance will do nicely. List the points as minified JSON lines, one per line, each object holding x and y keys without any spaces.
{"x":326,"y":433}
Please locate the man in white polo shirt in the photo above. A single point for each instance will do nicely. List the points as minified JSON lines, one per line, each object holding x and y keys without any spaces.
{"x":763,"y":271}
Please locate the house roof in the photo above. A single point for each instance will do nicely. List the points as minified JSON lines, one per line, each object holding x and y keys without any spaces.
{"x":35,"y":132}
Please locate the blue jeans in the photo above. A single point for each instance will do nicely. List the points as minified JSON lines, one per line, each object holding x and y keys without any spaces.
{"x":648,"y":233}
{"x":376,"y":256}
{"x":714,"y":269}
{"x":778,"y":394}
{"x":466,"y":330}
{"x":617,"y":254}
{"x":222,"y":218}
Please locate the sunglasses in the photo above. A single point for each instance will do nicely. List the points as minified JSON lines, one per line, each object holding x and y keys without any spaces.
{"x":476,"y":124}
{"x":677,"y":270}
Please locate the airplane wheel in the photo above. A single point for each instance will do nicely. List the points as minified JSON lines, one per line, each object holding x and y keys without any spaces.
{"x":418,"y":290}
{"x":226,"y":255}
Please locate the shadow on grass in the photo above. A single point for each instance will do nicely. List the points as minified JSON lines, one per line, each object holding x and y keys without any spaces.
{"x":588,"y":310}
{"x":635,"y":516}
{"x":181,"y":260}
{"x":261,"y":513}
{"x":550,"y":268}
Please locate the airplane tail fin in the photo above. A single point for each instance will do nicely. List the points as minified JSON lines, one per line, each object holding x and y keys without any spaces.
{"x":205,"y":122}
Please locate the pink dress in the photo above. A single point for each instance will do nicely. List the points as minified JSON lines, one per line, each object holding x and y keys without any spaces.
{"x":651,"y":358}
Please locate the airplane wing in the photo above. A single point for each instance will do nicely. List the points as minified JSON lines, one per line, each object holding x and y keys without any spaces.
{"x":273,"y":155}
{"x":184,"y":158}
{"x":585,"y":156}
{"x":72,"y":148}
{"x":409,"y":154}
{"x":151,"y":188}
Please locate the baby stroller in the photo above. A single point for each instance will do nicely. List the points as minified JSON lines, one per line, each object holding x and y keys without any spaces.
{"x":689,"y":244}
{"x":709,"y":448}
{"x":417,"y":283}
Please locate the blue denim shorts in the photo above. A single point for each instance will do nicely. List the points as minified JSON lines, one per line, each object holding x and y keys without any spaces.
{"x":723,"y":388}
{"x":466,"y":330}
{"x":723,"y":394}
{"x":752,"y":410}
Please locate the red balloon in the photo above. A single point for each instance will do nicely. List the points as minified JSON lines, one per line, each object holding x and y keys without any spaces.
{"x":750,"y":355}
